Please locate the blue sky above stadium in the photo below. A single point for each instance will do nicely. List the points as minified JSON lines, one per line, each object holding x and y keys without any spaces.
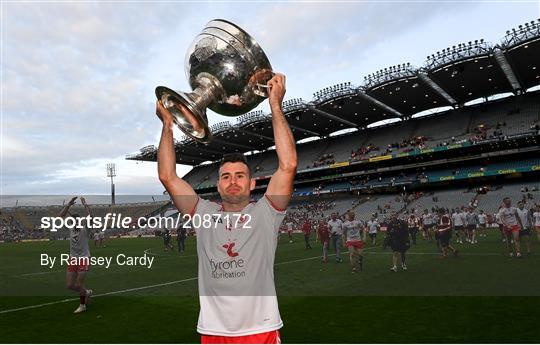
{"x":78,"y":79}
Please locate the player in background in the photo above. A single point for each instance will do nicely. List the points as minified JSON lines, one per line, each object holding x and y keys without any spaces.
{"x":372,"y":228}
{"x":306,"y":229}
{"x":458,"y":223}
{"x":497,"y":217}
{"x":290,"y":227}
{"x":323,"y":236}
{"x":512,"y":226}
{"x":335,"y":225}
{"x":398,"y":235}
{"x":445,"y":234}
{"x":412,"y":222}
{"x":181,"y":235}
{"x":465,"y":232}
{"x":526,"y":225}
{"x":536,"y":217}
{"x":427,"y":220}
{"x":167,"y":243}
{"x":482,"y":224}
{"x":352,"y":232}
{"x":79,"y":249}
{"x":472,"y":222}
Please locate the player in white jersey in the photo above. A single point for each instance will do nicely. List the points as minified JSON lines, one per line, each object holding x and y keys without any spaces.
{"x":526,"y":225}
{"x":459,"y":225}
{"x":352,"y":231}
{"x":497,"y":217}
{"x":536,"y":218}
{"x":427,"y":225}
{"x":79,"y":257}
{"x":373,"y":227}
{"x":512,"y":225}
{"x":482,"y":223}
{"x":335,"y":226}
{"x":235,"y":253}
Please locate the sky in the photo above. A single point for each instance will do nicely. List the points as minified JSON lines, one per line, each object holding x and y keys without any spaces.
{"x":78,"y":78}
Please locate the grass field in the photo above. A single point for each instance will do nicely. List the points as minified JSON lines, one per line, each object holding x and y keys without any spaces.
{"x":481,"y":296}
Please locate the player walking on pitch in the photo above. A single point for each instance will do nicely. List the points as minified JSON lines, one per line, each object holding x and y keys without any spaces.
{"x":352,"y":230}
{"x":236,"y":256}
{"x":79,"y":252}
{"x":512,"y":226}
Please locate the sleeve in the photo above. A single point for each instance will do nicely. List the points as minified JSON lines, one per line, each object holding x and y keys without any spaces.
{"x":201,"y":208}
{"x":269,"y":213}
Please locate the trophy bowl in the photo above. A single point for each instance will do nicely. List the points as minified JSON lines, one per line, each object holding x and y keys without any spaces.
{"x":227,"y":71}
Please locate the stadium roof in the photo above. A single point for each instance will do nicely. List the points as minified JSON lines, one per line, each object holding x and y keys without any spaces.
{"x":451,"y":77}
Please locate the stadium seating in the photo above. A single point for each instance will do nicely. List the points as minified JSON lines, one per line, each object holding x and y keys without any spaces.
{"x":455,"y":125}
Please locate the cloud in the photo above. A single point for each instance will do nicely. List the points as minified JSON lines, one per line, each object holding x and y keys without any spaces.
{"x":78,"y":78}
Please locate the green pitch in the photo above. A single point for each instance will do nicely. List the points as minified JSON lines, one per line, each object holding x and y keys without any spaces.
{"x":481,"y":296}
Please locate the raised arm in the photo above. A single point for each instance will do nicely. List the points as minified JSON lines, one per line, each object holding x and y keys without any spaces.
{"x":182,"y":194}
{"x":65,"y":210}
{"x":86,"y":207}
{"x":280,"y":187}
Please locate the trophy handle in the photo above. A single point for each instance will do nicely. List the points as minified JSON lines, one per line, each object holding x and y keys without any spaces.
{"x":186,"y":114}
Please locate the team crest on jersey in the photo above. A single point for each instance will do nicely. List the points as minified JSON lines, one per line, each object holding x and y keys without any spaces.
{"x":230,"y":250}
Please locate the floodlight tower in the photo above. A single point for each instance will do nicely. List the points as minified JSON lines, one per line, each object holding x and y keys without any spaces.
{"x":111,"y":172}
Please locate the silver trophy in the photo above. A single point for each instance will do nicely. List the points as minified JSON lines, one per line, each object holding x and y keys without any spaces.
{"x":228,"y":72}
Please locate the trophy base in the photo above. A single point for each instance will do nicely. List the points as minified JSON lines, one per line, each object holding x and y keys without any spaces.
{"x":186,"y":114}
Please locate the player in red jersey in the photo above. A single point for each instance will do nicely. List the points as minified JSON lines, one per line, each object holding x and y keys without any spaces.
{"x":323,"y":235}
{"x":306,"y":229}
{"x":445,"y":233}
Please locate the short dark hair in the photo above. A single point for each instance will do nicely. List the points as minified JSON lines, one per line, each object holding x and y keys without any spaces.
{"x":235,"y":158}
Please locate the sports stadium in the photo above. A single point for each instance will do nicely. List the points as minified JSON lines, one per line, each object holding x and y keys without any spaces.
{"x":462,"y":131}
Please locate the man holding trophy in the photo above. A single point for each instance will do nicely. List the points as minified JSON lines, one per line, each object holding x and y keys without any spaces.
{"x":236,"y":239}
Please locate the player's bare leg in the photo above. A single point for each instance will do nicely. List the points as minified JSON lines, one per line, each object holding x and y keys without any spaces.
{"x":517,"y":245}
{"x":394,"y":261}
{"x":361,"y":259}
{"x":75,"y":282}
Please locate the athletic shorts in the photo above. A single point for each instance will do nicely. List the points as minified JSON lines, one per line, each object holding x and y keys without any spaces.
{"x":271,"y":337}
{"x":525,"y":232}
{"x":77,"y":268}
{"x":509,"y":230}
{"x":458,"y":227}
{"x":471,"y":227}
{"x":373,"y":235}
{"x":444,"y":238}
{"x":356,"y":244}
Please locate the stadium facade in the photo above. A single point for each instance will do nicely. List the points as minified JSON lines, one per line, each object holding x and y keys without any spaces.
{"x":488,"y":132}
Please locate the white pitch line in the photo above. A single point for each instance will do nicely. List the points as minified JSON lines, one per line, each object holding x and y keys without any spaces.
{"x":38,"y":273}
{"x":136,"y":289}
{"x":148,"y":252}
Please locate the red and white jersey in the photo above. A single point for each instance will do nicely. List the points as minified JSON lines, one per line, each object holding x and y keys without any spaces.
{"x":508,"y":216}
{"x":353,"y":230}
{"x":236,"y":268}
